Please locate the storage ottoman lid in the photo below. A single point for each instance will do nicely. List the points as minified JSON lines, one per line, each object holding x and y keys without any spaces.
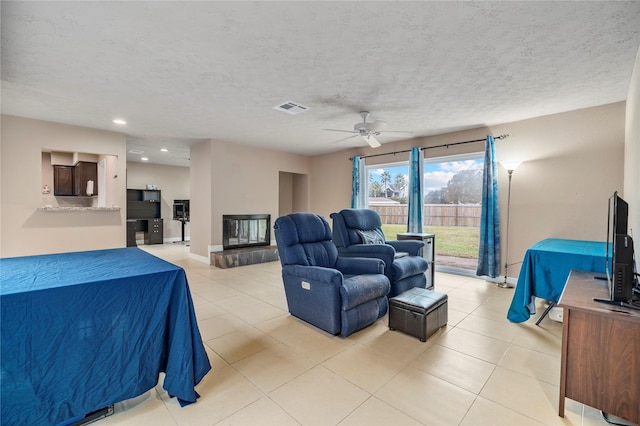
{"x":419,"y":300}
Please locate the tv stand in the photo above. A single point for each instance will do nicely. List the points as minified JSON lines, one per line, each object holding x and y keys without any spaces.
{"x":600,"y":349}
{"x":608,"y":301}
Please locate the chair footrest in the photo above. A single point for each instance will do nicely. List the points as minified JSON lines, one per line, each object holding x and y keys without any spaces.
{"x":418,"y":312}
{"x":359,"y":289}
{"x":408,"y":266}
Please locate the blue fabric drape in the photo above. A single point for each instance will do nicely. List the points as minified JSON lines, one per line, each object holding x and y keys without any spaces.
{"x":489,"y":250}
{"x":358,"y":191}
{"x":416,"y":191}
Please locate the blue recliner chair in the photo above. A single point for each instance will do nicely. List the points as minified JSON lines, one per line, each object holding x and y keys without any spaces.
{"x":338,"y":295}
{"x":358,"y":232}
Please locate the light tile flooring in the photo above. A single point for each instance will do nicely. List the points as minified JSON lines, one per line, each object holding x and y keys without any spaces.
{"x":269,"y":368}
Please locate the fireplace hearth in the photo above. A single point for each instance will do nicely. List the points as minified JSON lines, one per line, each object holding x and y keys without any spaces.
{"x":249,"y":230}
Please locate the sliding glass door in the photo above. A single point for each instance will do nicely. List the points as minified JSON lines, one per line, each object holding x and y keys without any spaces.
{"x":452,"y":204}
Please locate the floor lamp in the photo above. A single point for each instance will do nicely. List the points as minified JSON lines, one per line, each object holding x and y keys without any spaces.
{"x":509,"y":166}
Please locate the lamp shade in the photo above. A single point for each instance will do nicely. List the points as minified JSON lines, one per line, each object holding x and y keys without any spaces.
{"x":510,"y":165}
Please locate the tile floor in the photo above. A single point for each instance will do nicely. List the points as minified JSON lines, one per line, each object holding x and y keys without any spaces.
{"x":269,"y":368}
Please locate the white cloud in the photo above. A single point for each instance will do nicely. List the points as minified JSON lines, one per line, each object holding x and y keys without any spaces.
{"x":436,"y":180}
{"x":377,"y":172}
{"x":456,"y":166}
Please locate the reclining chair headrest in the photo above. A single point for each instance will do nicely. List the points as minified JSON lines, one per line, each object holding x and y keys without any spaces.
{"x":363,"y":219}
{"x":301,"y":228}
{"x":305,"y":239}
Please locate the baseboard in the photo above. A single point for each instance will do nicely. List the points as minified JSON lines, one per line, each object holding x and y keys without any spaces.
{"x":176,"y":240}
{"x":203,"y":259}
{"x":469,"y":273}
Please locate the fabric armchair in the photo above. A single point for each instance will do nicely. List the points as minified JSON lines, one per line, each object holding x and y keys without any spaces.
{"x":358,"y":233}
{"x":338,"y":295}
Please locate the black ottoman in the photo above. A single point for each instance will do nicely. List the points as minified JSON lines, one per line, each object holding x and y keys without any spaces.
{"x":418,"y":312}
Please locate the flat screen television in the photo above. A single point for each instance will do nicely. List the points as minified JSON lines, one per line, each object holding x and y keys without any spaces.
{"x":181,"y":210}
{"x":620,"y":268}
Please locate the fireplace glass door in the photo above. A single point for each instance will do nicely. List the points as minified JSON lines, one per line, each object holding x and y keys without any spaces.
{"x":245,"y":231}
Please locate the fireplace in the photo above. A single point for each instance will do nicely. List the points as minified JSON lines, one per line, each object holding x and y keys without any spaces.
{"x":248,"y":230}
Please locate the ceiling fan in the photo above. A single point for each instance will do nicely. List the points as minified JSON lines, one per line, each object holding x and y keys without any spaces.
{"x":367,"y":130}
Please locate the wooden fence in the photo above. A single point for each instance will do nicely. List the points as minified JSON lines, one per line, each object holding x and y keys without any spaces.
{"x":434,"y":214}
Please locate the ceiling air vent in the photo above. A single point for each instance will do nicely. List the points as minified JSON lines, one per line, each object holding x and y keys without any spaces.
{"x":292,"y":108}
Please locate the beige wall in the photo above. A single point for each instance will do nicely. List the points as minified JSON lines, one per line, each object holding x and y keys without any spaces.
{"x":25,"y":230}
{"x":243,"y":180}
{"x":201,"y":184}
{"x":632,"y":155}
{"x":300,"y":192}
{"x":173,"y":182}
{"x":285,"y":193}
{"x":293,"y":193}
{"x":246,"y":181}
{"x":572,"y":164}
{"x":331,"y":173}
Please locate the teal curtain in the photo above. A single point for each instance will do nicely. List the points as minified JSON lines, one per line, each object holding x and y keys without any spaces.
{"x":489,"y":250}
{"x":416,"y":191}
{"x":358,"y":190}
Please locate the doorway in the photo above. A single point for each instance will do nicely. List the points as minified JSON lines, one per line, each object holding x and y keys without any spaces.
{"x":293,"y":193}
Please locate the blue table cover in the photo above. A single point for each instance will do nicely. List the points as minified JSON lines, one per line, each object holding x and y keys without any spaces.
{"x":81,"y":331}
{"x":545,"y":270}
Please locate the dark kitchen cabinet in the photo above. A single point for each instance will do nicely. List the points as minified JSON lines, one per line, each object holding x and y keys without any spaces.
{"x":72,"y":180}
{"x":63,"y":180}
{"x":83,"y":173}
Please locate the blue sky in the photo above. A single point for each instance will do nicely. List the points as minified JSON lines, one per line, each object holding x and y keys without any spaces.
{"x":436,"y":175}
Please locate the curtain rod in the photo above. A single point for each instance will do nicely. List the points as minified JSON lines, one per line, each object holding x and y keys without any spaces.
{"x":445,"y":145}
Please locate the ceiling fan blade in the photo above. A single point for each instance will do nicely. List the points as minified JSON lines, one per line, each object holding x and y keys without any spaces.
{"x":336,"y":130}
{"x":344,"y":139}
{"x":373,"y":142}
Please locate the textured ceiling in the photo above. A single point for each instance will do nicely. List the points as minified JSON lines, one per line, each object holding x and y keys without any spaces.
{"x":179,"y":72}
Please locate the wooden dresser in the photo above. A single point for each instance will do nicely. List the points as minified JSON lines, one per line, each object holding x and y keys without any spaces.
{"x":600,"y":350}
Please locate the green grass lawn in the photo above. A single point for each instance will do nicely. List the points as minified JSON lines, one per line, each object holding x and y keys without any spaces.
{"x":455,"y":241}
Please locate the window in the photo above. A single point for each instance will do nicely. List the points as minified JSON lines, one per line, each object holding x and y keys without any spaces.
{"x":452,"y":204}
{"x":453,"y":201}
{"x":388,"y":190}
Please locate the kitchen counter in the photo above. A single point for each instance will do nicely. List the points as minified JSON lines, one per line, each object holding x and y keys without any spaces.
{"x":78,"y":209}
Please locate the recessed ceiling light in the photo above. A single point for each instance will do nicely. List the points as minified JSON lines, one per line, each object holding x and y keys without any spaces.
{"x":164,"y":150}
{"x":119,"y":121}
{"x":144,"y":159}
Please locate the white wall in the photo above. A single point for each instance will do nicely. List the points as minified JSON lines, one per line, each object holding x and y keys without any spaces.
{"x":173,"y":182}
{"x":25,"y":230}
